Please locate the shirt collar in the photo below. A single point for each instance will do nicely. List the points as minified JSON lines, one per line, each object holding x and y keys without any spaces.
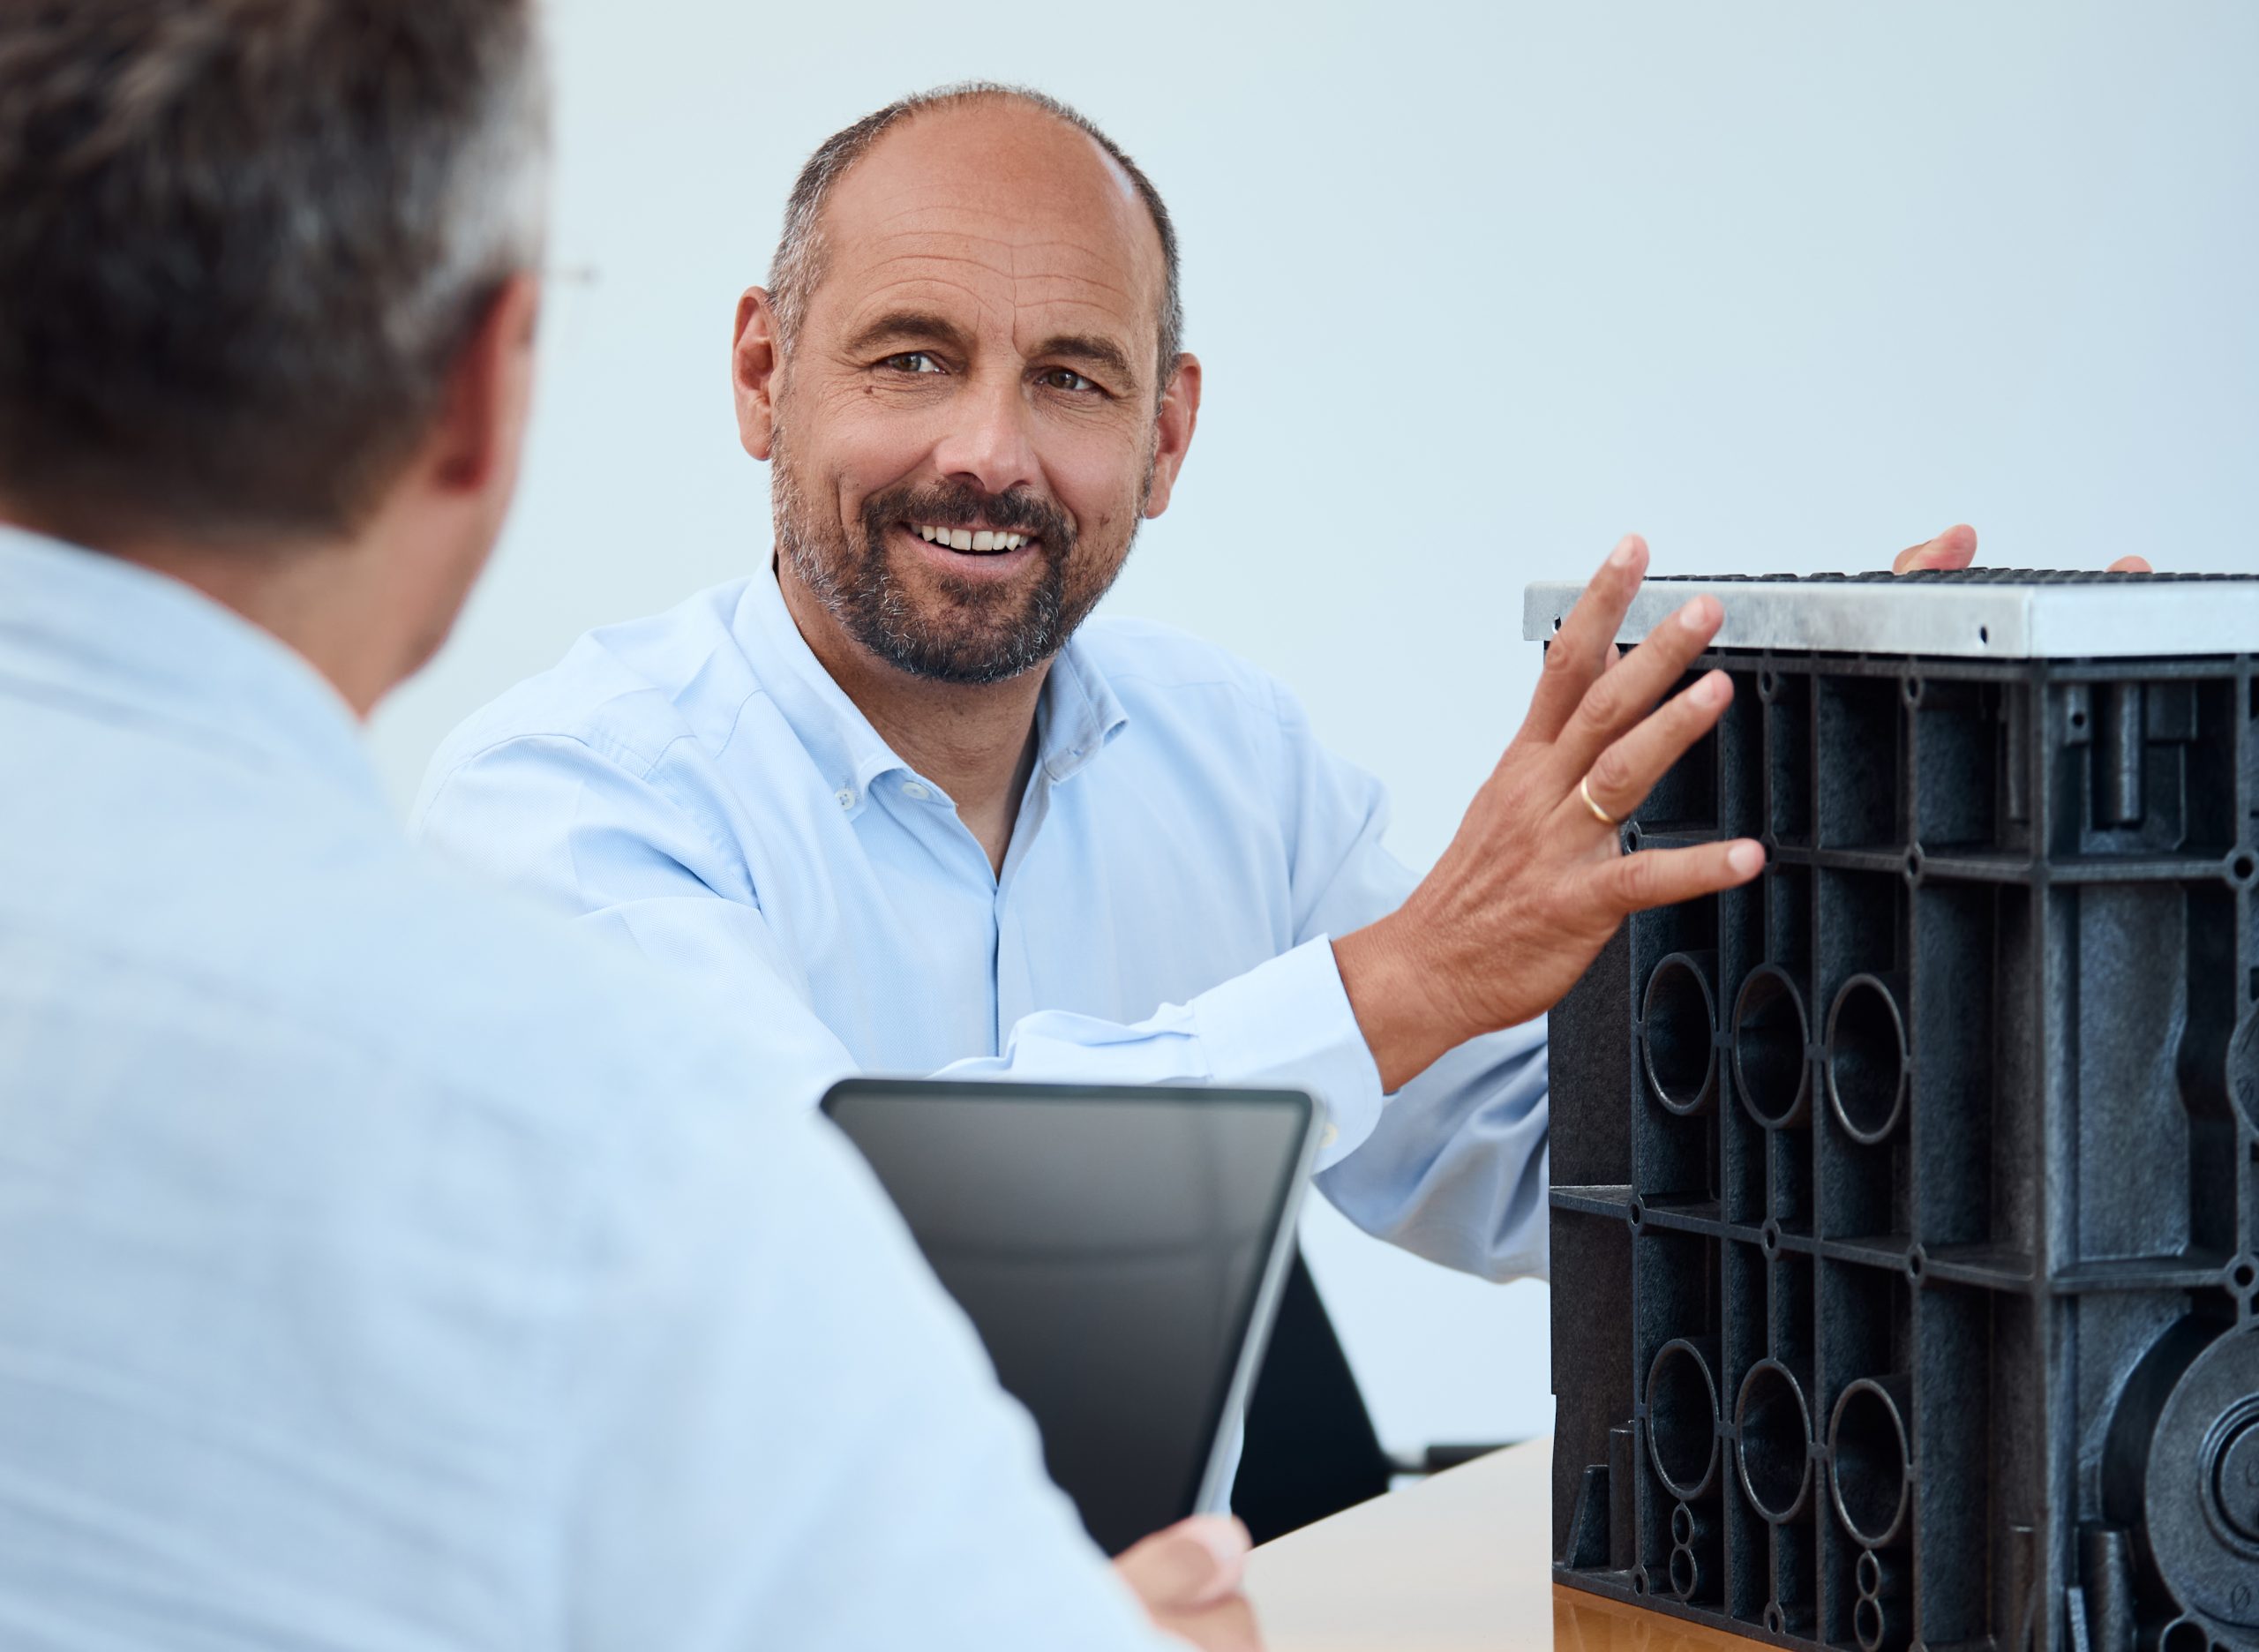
{"x":138,"y":645}
{"x":1075,"y":718}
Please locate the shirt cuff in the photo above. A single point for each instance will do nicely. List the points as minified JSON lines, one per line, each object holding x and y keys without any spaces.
{"x":1288,"y":1023}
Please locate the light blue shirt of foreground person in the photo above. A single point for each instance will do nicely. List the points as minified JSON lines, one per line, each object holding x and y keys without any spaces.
{"x":698,"y":786}
{"x":380,"y":1270}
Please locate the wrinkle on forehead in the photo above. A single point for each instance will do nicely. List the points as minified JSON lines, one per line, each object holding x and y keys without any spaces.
{"x":1014,"y":210}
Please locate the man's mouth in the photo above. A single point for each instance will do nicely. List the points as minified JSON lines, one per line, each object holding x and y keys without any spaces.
{"x":980,"y":541}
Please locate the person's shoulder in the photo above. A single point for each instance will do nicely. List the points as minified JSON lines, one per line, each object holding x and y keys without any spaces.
{"x":626,"y":691}
{"x":485,"y":994}
{"x":1143,"y":659}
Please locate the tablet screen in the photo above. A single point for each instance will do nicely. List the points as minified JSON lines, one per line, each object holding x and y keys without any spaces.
{"x":1117,"y":1249}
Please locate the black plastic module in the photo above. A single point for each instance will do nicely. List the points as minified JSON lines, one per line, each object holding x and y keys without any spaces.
{"x":1906,"y":1201}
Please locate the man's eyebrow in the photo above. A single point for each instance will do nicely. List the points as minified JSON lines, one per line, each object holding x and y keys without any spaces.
{"x":1091,"y":348}
{"x":898,"y":326}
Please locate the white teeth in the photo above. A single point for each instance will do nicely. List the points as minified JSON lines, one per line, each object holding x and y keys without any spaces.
{"x":966,"y":539}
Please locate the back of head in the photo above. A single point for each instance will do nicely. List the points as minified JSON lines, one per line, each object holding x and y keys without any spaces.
{"x":241,"y":242}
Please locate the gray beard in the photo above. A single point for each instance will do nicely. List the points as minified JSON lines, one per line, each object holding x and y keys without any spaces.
{"x":856,"y":586}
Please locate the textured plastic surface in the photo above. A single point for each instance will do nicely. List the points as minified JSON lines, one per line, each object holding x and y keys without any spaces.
{"x":1906,"y":1203}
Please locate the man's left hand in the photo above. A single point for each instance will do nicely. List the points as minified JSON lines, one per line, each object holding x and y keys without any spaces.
{"x":1956,"y":548}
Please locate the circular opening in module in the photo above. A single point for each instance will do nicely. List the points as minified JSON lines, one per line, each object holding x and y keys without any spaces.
{"x":1678,"y":1027}
{"x":1866,"y":1439}
{"x":1683,"y":1419}
{"x":1769,"y":1037}
{"x":1866,"y":1059}
{"x":2236,"y":1483}
{"x":1776,"y":1429}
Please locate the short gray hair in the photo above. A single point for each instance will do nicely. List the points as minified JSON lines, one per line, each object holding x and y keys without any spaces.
{"x":800,"y":261}
{"x":242,"y":244}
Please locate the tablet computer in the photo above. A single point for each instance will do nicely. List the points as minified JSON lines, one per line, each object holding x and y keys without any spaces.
{"x":1120,"y":1250}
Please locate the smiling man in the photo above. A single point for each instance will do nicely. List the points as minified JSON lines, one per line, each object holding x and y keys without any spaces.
{"x":895,"y":795}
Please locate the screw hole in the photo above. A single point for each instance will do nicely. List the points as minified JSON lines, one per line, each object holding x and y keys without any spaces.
{"x":2245,"y":1276}
{"x":1984,"y":635}
{"x":2078,"y":719}
{"x":1915,"y":1262}
{"x":1557,"y":622}
{"x":2243,"y":866}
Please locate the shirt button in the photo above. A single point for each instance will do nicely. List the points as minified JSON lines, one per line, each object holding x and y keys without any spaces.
{"x":845,"y":796}
{"x":1327,"y":1137}
{"x":915,"y":792}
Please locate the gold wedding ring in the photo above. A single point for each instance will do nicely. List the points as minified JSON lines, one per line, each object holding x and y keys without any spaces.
{"x":1584,"y":791}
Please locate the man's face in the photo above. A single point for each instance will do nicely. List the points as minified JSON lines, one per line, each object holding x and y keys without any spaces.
{"x":964,"y":432}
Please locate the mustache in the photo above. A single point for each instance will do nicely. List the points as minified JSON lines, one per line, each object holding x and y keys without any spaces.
{"x":944,"y":505}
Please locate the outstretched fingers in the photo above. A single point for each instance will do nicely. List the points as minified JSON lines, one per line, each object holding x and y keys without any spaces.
{"x":1621,"y":697}
{"x":1662,"y":877}
{"x":1621,"y":777}
{"x":1584,"y":646}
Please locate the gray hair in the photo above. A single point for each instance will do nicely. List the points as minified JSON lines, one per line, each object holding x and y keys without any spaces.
{"x":241,"y":244}
{"x":798,"y":264}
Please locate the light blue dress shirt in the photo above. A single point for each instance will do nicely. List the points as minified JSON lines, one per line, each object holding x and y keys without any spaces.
{"x":697,"y":784}
{"x":383,"y":1268}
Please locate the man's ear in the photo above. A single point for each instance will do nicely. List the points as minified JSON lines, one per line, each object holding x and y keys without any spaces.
{"x":753,"y":359}
{"x":482,"y":425}
{"x":1180,"y":414}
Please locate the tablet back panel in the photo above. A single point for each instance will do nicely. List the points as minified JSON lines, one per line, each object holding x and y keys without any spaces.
{"x":1118,"y":1250}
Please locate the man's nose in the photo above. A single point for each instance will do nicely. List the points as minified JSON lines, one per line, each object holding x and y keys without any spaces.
{"x":989,"y":443}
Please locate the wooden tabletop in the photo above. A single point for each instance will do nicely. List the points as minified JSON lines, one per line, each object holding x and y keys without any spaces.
{"x":1458,"y":1563}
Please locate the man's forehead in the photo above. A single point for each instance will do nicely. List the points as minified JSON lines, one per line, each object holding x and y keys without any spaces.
{"x":993,"y":195}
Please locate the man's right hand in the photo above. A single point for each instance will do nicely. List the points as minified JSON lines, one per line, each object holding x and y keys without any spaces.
{"x":1189,"y":1578}
{"x":1536,"y":881}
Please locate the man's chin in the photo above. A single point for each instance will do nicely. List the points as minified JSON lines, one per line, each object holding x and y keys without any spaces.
{"x":968,"y":655}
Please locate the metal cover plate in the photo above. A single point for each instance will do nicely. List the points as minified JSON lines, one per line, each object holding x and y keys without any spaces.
{"x":1988,"y":613}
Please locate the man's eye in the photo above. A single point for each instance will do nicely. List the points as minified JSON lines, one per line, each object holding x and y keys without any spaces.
{"x":1067,"y":378}
{"x":912,"y":362}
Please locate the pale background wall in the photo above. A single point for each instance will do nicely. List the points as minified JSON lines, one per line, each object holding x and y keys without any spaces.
{"x":1478,"y":286}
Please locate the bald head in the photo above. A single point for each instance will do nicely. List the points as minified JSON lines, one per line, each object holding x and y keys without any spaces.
{"x":998,"y":153}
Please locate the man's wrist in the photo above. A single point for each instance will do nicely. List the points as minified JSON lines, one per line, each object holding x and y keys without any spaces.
{"x":1392,"y":989}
